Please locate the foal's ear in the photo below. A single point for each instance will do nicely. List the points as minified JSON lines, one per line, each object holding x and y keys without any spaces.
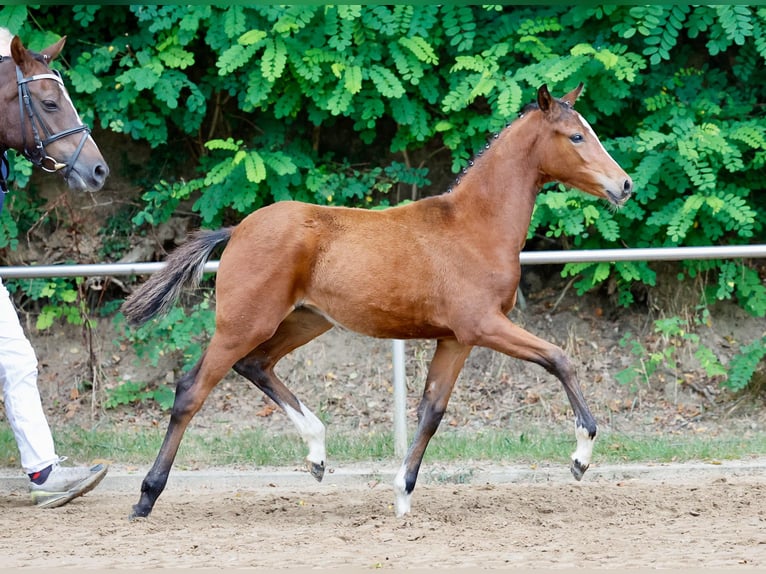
{"x":544,"y":98}
{"x":572,"y":96}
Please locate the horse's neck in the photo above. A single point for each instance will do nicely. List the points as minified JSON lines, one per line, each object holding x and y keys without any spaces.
{"x":502,"y":185}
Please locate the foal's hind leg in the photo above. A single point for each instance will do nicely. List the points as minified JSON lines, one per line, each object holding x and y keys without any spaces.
{"x":300,"y":327}
{"x":499,"y":333}
{"x":445,"y":367}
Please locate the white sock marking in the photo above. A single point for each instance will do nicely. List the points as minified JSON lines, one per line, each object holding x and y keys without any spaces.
{"x":311,"y":429}
{"x":402,"y":500}
{"x":584,"y":450}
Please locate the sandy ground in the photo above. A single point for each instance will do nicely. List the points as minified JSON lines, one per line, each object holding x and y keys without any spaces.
{"x":625,"y":516}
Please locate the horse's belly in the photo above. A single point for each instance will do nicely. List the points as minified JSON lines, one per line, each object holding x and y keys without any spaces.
{"x":380,"y":323}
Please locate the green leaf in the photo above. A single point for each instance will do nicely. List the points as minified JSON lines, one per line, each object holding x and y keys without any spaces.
{"x":12,"y":17}
{"x":280,"y":162}
{"x":352,"y":79}
{"x":254,"y":167}
{"x":227,"y":144}
{"x":387,"y":84}
{"x":274,"y":58}
{"x":176,"y":57}
{"x":235,"y":57}
{"x":601,"y":272}
{"x":421,"y":49}
{"x":251,"y":37}
{"x":143,"y":78}
{"x":46,"y":318}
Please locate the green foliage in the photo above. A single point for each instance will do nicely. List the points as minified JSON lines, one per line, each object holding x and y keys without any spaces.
{"x":353,"y":105}
{"x":675,"y":335}
{"x":131,"y":392}
{"x":60,"y":298}
{"x":743,"y":365}
{"x":24,"y":210}
{"x":181,"y":333}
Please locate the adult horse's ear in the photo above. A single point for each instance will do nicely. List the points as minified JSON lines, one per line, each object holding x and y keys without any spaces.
{"x":572,"y":96}
{"x":21,"y":56}
{"x":52,"y":51}
{"x":18,"y":52}
{"x":544,"y":98}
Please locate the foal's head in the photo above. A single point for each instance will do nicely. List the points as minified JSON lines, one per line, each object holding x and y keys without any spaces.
{"x":571,"y":153}
{"x":54,"y":138}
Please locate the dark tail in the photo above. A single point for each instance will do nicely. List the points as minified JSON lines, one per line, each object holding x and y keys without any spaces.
{"x":184,"y":266}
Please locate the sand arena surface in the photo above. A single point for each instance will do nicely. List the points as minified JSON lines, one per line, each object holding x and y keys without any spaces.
{"x":632,"y":516}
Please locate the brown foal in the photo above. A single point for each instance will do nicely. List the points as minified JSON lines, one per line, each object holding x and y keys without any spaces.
{"x":443,"y":268}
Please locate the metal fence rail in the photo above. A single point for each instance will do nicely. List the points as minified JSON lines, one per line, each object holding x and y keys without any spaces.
{"x":527,"y":258}
{"x":400,"y":387}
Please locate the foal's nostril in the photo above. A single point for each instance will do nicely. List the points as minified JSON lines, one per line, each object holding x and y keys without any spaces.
{"x":627,"y":187}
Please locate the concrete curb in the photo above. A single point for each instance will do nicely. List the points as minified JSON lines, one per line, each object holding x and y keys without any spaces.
{"x":122,"y":479}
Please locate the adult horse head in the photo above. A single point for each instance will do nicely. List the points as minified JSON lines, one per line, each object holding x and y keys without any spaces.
{"x":38,"y":119}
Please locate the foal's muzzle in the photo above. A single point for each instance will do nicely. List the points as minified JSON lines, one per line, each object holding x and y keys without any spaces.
{"x":621,"y":196}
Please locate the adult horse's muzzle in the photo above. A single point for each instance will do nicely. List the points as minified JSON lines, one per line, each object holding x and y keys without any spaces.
{"x":85,"y":176}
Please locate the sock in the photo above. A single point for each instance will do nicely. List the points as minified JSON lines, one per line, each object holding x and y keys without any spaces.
{"x":40,"y":476}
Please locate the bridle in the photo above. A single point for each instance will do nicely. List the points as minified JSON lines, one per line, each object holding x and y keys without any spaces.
{"x":37,"y":155}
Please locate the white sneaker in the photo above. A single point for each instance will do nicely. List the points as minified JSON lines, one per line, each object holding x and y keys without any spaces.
{"x":65,"y":483}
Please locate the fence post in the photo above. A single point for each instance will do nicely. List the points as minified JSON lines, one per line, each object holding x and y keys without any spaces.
{"x":400,"y":400}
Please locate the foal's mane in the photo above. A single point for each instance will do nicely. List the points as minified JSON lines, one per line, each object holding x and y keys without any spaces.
{"x":525,"y":110}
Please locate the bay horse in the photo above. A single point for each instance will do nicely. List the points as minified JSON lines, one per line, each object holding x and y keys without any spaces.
{"x":38,"y":119}
{"x":443,"y":267}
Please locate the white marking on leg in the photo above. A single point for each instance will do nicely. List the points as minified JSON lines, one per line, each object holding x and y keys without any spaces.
{"x":584,"y":450}
{"x":402,"y":500}
{"x":311,"y":430}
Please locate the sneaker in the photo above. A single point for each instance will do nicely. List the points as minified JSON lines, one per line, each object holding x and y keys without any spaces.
{"x":66,"y":483}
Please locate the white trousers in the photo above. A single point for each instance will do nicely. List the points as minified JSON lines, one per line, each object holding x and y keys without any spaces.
{"x":18,"y":375}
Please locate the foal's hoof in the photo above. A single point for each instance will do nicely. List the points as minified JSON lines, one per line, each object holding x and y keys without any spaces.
{"x":316,"y":470}
{"x":137,"y":514}
{"x":578,"y":469}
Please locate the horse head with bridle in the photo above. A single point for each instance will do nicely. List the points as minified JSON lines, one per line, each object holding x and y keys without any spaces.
{"x":444,"y":268}
{"x":38,"y":119}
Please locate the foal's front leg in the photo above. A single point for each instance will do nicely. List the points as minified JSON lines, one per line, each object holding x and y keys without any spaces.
{"x":445,"y":367}
{"x":500,"y":334}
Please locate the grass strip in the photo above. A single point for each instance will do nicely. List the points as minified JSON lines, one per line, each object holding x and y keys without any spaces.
{"x":254,"y":448}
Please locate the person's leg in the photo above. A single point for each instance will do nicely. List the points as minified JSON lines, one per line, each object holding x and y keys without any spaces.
{"x":18,"y":375}
{"x":51,"y":485}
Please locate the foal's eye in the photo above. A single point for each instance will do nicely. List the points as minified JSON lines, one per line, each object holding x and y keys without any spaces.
{"x":577,"y":138}
{"x":50,"y":105}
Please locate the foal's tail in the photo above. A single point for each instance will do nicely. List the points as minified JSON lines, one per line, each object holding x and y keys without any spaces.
{"x":184,"y":266}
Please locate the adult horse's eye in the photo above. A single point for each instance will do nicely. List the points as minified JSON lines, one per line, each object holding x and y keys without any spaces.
{"x":577,"y":138}
{"x":50,"y":105}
